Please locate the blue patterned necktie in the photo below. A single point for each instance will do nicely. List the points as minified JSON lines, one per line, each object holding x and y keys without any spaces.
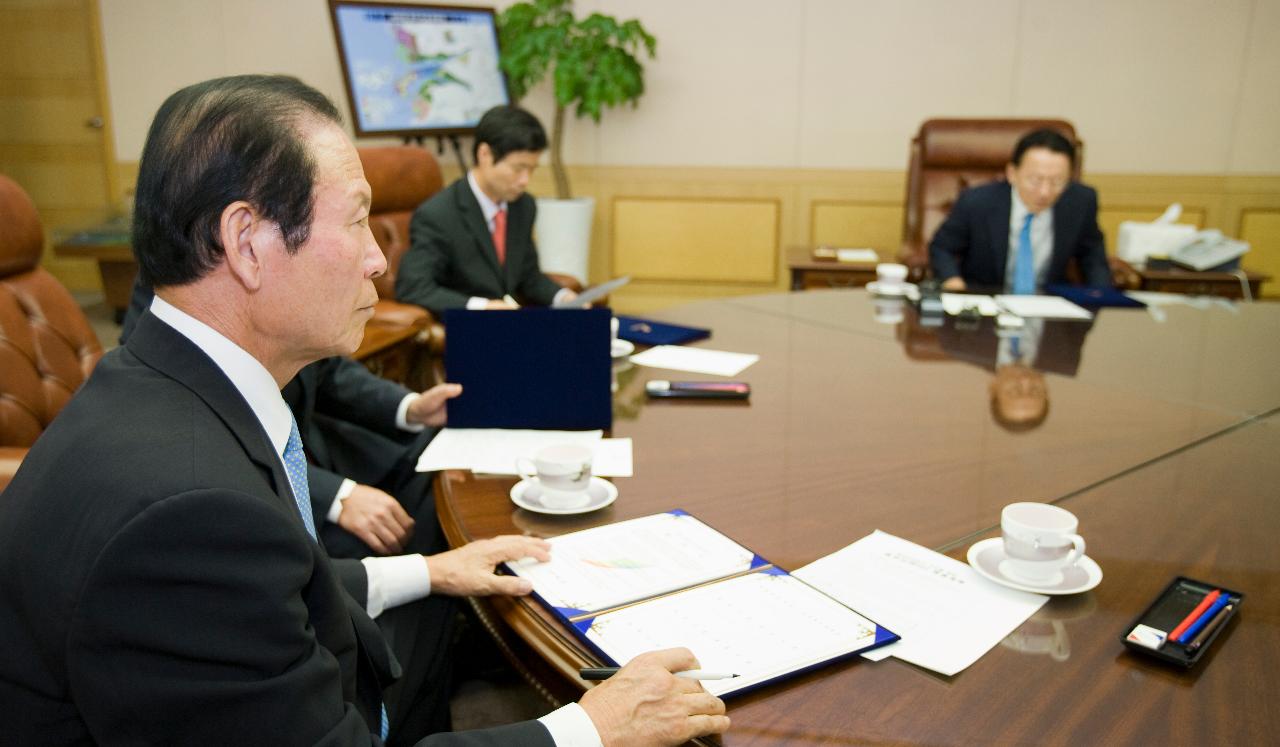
{"x":1024,"y":274}
{"x":295,"y":465}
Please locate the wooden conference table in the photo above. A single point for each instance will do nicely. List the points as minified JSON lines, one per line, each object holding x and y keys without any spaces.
{"x":1163,"y":437}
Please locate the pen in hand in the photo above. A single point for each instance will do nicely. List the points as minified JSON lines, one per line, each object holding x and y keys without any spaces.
{"x":595,"y":674}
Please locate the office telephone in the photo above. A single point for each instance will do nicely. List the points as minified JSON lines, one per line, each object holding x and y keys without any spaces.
{"x":1207,"y":250}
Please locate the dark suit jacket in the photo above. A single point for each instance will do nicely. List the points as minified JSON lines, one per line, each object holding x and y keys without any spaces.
{"x":452,"y":258}
{"x":973,"y":242}
{"x":159,"y":586}
{"x":346,"y":418}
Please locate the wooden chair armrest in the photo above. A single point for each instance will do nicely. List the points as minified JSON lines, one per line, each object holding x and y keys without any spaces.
{"x":10,"y":459}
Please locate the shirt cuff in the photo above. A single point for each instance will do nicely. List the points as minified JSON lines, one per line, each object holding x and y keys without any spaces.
{"x":476,"y":303}
{"x":570,"y":726}
{"x":395,"y":581}
{"x":559,"y":296}
{"x":335,"y":508}
{"x":402,"y":413}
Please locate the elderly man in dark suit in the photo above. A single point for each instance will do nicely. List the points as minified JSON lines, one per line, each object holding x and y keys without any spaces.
{"x":163,"y":580}
{"x":1019,"y":235}
{"x":471,"y":245}
{"x":363,"y":436}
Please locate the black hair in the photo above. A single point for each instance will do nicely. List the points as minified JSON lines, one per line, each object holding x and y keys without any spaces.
{"x":212,"y":144}
{"x":1045,"y":138}
{"x":507,"y":129}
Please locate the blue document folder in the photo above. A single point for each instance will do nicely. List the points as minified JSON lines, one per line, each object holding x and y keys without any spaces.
{"x":1094,"y":298}
{"x":651,"y":332}
{"x":531,"y":368}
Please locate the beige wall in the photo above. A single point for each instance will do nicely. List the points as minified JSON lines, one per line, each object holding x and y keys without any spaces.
{"x":794,"y":117}
{"x":1168,"y":86}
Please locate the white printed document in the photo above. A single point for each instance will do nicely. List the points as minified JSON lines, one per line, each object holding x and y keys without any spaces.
{"x":1042,"y":307}
{"x":695,"y":360}
{"x":948,"y":615}
{"x":670,"y":580}
{"x":495,"y":450}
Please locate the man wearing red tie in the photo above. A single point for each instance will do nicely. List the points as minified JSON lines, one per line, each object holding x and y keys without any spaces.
{"x":472,"y":244}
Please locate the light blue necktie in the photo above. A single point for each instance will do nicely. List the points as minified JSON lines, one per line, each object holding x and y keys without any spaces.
{"x":1014,"y":349}
{"x":1024,"y":273}
{"x":295,"y":466}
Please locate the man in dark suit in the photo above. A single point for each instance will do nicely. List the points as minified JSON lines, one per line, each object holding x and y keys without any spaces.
{"x":471,"y":245}
{"x":163,"y":583}
{"x":1018,"y":235}
{"x":363,"y":436}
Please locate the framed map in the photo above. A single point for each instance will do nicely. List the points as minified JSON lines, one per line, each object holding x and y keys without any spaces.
{"x":417,"y":70}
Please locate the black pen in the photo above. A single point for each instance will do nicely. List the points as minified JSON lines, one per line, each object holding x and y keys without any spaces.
{"x":1212,"y":625}
{"x":595,"y":674}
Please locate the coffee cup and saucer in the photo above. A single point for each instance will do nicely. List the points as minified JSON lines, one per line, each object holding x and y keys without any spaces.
{"x":1038,"y":551}
{"x":558,"y":480}
{"x":891,"y":281}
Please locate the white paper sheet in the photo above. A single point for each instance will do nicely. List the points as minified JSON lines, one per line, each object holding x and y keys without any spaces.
{"x":1042,"y":307}
{"x":863,"y":256}
{"x":948,"y":615}
{"x":758,"y":626}
{"x":695,"y":360}
{"x":495,"y":450}
{"x":954,"y":303}
{"x":605,"y":566}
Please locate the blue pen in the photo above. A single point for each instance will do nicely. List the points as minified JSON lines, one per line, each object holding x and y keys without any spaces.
{"x":1200,"y":622}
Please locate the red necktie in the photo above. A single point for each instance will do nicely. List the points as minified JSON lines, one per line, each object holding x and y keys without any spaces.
{"x":500,"y":235}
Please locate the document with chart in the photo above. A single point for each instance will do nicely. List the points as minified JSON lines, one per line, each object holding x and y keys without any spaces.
{"x":670,"y":580}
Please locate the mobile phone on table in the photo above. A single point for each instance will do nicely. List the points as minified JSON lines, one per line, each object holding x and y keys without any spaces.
{"x":698,"y":389}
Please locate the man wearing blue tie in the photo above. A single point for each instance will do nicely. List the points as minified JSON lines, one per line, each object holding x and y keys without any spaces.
{"x":1019,"y":235}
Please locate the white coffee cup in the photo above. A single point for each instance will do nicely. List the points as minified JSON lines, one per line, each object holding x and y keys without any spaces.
{"x":1040,"y":542}
{"x":890,"y":277}
{"x":562,"y":474}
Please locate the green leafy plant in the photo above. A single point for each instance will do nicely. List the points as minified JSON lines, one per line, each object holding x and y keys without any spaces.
{"x":593,"y":63}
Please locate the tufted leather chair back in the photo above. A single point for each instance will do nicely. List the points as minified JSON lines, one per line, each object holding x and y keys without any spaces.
{"x":47,"y":348}
{"x":950,"y":155}
{"x":401,"y":177}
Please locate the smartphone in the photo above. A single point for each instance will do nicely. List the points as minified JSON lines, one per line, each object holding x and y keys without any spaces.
{"x":698,"y":389}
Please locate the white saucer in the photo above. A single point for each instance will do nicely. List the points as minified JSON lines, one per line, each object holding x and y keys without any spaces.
{"x":906,"y":290}
{"x":621,"y":348}
{"x":602,"y":492}
{"x":987,"y":557}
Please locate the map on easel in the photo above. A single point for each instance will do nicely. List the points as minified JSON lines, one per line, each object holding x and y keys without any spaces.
{"x":417,"y":70}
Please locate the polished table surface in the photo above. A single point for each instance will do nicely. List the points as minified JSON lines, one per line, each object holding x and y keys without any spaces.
{"x":1162,"y":436}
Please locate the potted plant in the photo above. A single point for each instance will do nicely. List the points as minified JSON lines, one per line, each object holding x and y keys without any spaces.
{"x":593,"y":63}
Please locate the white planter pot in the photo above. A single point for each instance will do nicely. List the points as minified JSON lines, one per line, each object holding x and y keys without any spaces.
{"x":563,"y":233}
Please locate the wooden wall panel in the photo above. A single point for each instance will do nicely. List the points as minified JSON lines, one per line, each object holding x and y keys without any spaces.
{"x":698,"y":240}
{"x":1261,"y":228}
{"x":692,"y":233}
{"x":858,"y":225}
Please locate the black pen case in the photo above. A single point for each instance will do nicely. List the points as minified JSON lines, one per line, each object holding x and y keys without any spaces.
{"x":1169,"y":608}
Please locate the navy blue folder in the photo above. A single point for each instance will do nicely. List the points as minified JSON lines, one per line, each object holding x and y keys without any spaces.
{"x":650,"y":332}
{"x":532,"y":368}
{"x":1094,"y":298}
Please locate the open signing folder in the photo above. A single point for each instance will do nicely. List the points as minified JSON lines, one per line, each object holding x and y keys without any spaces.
{"x":530,"y":368}
{"x":670,"y":580}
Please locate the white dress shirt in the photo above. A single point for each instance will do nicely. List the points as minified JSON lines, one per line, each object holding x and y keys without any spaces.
{"x":489,"y":209}
{"x":392,"y":581}
{"x":1041,"y":240}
